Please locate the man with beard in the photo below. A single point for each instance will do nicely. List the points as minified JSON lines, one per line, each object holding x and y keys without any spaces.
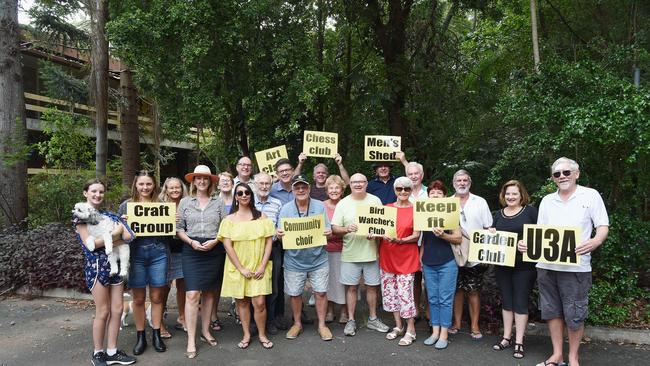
{"x":321,"y":173}
{"x":382,"y":184}
{"x":564,"y":289}
{"x":474,"y":215}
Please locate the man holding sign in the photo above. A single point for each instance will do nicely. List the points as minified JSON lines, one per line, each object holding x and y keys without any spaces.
{"x":321,"y":173}
{"x":307,"y":257}
{"x":564,"y":289}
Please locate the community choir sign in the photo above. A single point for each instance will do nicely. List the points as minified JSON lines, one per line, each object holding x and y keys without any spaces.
{"x":382,"y":148}
{"x":436,"y":212}
{"x":303,"y":232}
{"x":499,"y":248}
{"x":266,"y":158}
{"x":320,"y":144}
{"x":551,"y":244}
{"x":377,"y":220}
{"x":151,"y":218}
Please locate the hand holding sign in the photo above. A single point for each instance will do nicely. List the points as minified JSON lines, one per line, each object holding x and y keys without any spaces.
{"x":374,"y":221}
{"x":320,"y":144}
{"x":266,"y":158}
{"x":382,"y":148}
{"x":151,"y":218}
{"x":493,"y":247}
{"x":551,"y":244}
{"x":302,"y":232}
{"x":436,"y":212}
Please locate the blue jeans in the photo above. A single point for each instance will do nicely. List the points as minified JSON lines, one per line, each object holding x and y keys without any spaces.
{"x":440,"y":282}
{"x":148,"y":265}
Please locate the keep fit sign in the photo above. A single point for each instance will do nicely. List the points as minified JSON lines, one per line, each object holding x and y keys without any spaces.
{"x":551,"y":244}
{"x":303,"y":232}
{"x":376,"y":220}
{"x":382,"y":148}
{"x":151,"y":218}
{"x":266,"y":158}
{"x":436,"y":212}
{"x":499,"y":248}
{"x":320,"y":144}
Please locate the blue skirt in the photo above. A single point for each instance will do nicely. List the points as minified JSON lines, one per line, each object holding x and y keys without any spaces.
{"x":203,"y":271}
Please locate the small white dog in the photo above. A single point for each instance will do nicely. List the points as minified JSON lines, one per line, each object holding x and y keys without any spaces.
{"x":100,"y":226}
{"x":128,"y":310}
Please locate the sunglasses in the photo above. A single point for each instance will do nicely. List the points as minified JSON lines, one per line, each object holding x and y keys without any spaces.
{"x":243,"y":193}
{"x":405,"y":189}
{"x":566,"y":173}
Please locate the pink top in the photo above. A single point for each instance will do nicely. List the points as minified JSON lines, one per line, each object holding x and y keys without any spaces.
{"x":335,"y":244}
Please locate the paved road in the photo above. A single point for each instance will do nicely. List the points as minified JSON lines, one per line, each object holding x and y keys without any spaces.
{"x":48,"y":331}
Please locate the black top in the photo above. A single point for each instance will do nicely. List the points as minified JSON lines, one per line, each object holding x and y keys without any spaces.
{"x":515,"y":224}
{"x":437,"y":251}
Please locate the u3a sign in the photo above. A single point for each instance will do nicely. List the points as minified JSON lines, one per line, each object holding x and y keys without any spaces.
{"x":551,"y":244}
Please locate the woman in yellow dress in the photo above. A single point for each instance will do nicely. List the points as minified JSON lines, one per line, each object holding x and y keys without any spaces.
{"x":247,"y":236}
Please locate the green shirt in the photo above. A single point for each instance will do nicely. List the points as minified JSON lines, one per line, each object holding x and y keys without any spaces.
{"x":356,"y":248}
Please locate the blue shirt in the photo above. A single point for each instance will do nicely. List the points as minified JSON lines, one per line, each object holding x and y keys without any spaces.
{"x":309,"y":259}
{"x":278,"y":192}
{"x":384,"y":191}
{"x":271,"y":208}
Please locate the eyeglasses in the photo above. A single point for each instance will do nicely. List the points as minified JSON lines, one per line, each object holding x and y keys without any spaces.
{"x":358,"y":182}
{"x":566,"y":173}
{"x":405,"y":189}
{"x":285,"y":171}
{"x":244,"y":164}
{"x":243,"y":193}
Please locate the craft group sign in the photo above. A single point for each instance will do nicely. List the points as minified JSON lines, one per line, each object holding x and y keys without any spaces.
{"x":376,"y":220}
{"x":266,"y":158}
{"x":436,"y":212}
{"x":303,"y":232}
{"x":551,"y":244}
{"x":151,"y":219}
{"x":499,"y":248}
{"x":320,"y":144}
{"x":382,"y":148}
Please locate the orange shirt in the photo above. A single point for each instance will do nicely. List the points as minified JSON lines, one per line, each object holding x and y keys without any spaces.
{"x":400,"y":258}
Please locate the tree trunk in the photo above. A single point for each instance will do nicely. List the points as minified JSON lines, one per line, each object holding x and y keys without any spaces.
{"x":129,"y":128}
{"x":13,"y":166}
{"x":320,"y":45}
{"x":533,"y":24}
{"x":99,"y":53}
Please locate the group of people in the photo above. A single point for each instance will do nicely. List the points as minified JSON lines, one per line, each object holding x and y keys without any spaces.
{"x":229,"y":243}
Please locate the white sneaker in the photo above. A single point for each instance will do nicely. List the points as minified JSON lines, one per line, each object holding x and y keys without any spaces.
{"x":378,"y":325}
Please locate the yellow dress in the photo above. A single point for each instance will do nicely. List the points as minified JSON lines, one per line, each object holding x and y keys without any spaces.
{"x":248,"y":240}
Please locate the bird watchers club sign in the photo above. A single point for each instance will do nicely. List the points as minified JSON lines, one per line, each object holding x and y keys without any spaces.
{"x":320,"y":144}
{"x":436,"y":212}
{"x":266,"y":158}
{"x":303,"y":232}
{"x":499,"y":248}
{"x":551,"y":244}
{"x":382,"y":148}
{"x":377,"y":220}
{"x":152,"y":218}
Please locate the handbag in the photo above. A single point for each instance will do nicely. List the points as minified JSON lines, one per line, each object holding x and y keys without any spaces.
{"x":461,"y":251}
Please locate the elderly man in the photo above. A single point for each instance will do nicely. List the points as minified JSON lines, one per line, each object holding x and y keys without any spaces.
{"x":271,"y":208}
{"x":244,"y":169}
{"x":382,"y":184}
{"x":308,"y":263}
{"x":359,"y":255}
{"x":564,"y":289}
{"x":321,"y":172}
{"x":415,"y":172}
{"x":281,"y":189}
{"x":474,"y":215}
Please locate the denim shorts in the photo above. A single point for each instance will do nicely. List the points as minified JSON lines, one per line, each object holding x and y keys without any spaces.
{"x":294,"y":282}
{"x":148,"y":265}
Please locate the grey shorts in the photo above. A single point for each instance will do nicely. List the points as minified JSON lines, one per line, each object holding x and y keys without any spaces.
{"x":294,"y":282}
{"x":564,"y":295}
{"x":351,"y":273}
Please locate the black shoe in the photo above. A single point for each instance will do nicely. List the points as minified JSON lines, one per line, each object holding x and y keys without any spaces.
{"x":99,"y":359}
{"x":140,"y":343}
{"x":120,"y":358}
{"x":280,"y":323}
{"x":157,"y":341}
{"x":271,"y":328}
{"x":304,"y":319}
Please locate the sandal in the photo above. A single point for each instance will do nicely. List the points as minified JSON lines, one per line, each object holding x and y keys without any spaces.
{"x":243,"y":344}
{"x":476,"y":335}
{"x":190,"y":354}
{"x":519,"y":351}
{"x":396,"y":332}
{"x":216,"y":325}
{"x":550,"y":363}
{"x":266,"y":344}
{"x":501,"y":345}
{"x":212,"y":342}
{"x":180,"y":326}
{"x":453,"y":330}
{"x":407,"y":340}
{"x":165,"y":334}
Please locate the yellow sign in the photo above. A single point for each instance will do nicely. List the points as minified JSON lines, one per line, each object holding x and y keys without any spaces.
{"x":303,"y":232}
{"x":382,"y":148}
{"x":320,"y":144}
{"x":266,"y":158}
{"x":552,"y":244}
{"x":436,"y":212}
{"x":499,"y":248}
{"x":152,"y":218}
{"x":378,"y":220}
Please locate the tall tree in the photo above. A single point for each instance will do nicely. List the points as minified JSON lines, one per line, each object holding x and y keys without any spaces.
{"x":98,"y":10}
{"x":13,"y":166}
{"x":129,"y":129}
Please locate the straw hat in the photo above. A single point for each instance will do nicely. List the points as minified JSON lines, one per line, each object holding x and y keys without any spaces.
{"x":201,"y":171}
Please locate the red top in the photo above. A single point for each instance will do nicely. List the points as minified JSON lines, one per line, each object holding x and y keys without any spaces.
{"x":400,"y":258}
{"x":336,"y":244}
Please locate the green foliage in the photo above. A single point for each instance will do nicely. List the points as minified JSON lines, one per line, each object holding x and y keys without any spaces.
{"x":66,"y":147}
{"x":61,"y":85}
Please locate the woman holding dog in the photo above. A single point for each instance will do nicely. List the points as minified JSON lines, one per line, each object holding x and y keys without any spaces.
{"x":107,"y":290}
{"x":149,"y":261}
{"x":200,"y":215}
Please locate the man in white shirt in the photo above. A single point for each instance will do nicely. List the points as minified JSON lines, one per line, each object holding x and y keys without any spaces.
{"x":564,"y":289}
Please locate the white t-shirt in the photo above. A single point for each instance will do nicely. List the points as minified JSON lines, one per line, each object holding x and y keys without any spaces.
{"x":584,"y":209}
{"x":475,"y":215}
